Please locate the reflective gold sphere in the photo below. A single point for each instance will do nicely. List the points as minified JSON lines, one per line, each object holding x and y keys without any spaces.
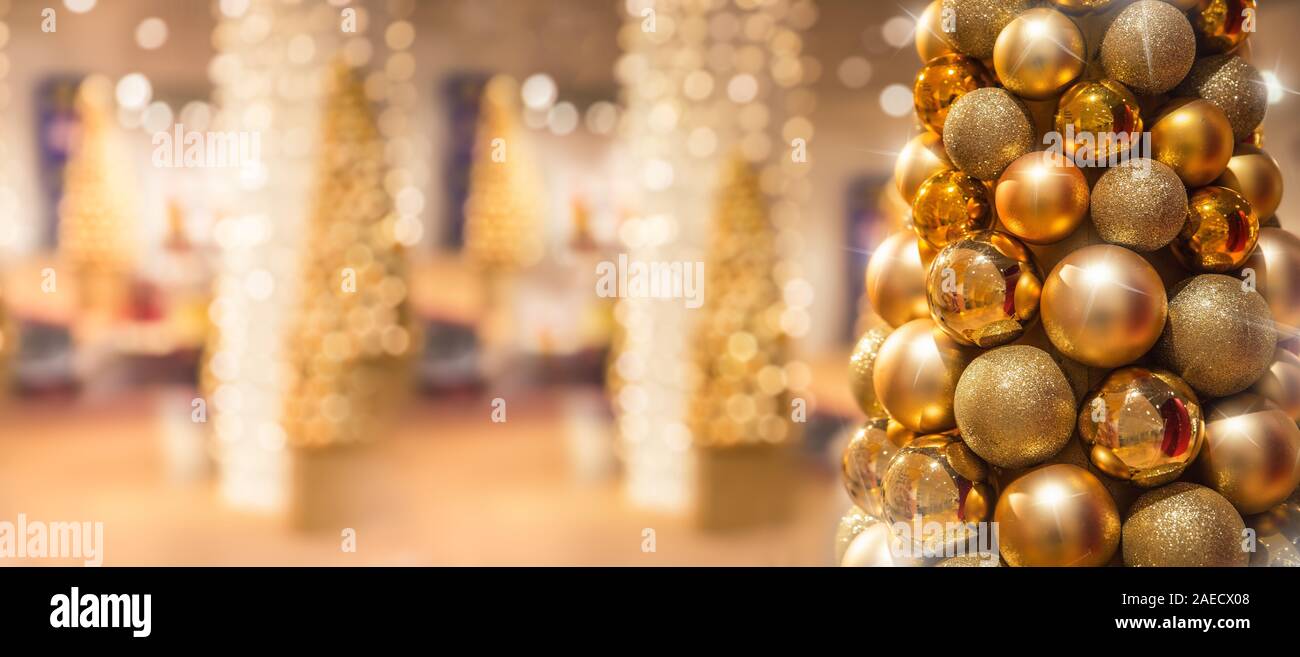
{"x":864,"y":460}
{"x":983,"y":289}
{"x":1057,"y":515}
{"x":853,"y":522}
{"x":1142,"y":425}
{"x":921,"y":158}
{"x":1038,"y":53}
{"x":931,"y":40}
{"x":916,"y":373}
{"x":1220,"y":232}
{"x":1194,"y":138}
{"x":941,"y":82}
{"x":1281,"y":383}
{"x":1041,"y":198}
{"x":1183,"y":524}
{"x":1097,"y":121}
{"x":937,"y":479}
{"x":1252,"y":452}
{"x":1255,"y":175}
{"x":1275,"y":269}
{"x":979,"y":22}
{"x":896,"y":280}
{"x":1220,"y":24}
{"x":951,"y":205}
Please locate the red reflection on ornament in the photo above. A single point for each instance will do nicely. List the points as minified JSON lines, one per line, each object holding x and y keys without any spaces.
{"x":1238,"y":231}
{"x":1178,"y":427}
{"x":1009,"y":278}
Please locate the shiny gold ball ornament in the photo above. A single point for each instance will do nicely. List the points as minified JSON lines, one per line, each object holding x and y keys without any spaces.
{"x":1079,"y":7}
{"x":1142,"y":425}
{"x":916,"y":373}
{"x":1220,"y":232}
{"x":861,"y":364}
{"x":979,"y":22}
{"x":1219,"y":337}
{"x":1220,"y":25}
{"x":896,"y":280}
{"x":941,"y":82}
{"x":1103,"y":306}
{"x":1041,"y":198}
{"x":1252,"y":452}
{"x":937,"y":479}
{"x":1255,"y":175}
{"x":1014,"y":406}
{"x":1232,"y":85}
{"x":1057,"y":515}
{"x":1038,"y":53}
{"x":871,"y":548}
{"x":1149,"y":47}
{"x":1097,"y":121}
{"x":1141,"y":205}
{"x":986,"y":130}
{"x":931,"y":40}
{"x":1183,"y":524}
{"x":983,"y":290}
{"x":1194,"y":138}
{"x":949,"y":206}
{"x":864,"y":460}
{"x":1281,"y":383}
{"x":1274,"y":268}
{"x":921,"y":158}
{"x":853,"y":522}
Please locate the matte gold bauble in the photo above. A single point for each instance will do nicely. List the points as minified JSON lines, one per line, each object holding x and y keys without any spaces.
{"x":986,"y":130}
{"x":931,"y":40}
{"x":1149,"y":47}
{"x":1220,"y":24}
{"x":1038,"y":53}
{"x":983,"y":289}
{"x":1183,"y":524}
{"x":1275,"y":266}
{"x":941,"y":82}
{"x":1057,"y":515}
{"x":861,"y":364}
{"x":921,"y":158}
{"x":870,"y":548}
{"x":1234,"y":86}
{"x":937,"y":479}
{"x":1219,"y":337}
{"x":896,"y":281}
{"x":1078,"y":7}
{"x":916,"y":374}
{"x":1220,"y":232}
{"x":949,"y":206}
{"x":1194,"y":138}
{"x":1142,"y":425}
{"x":1141,"y":205}
{"x":1092,"y":115}
{"x":1041,"y":198}
{"x":1014,"y":406}
{"x":1255,"y":175}
{"x":1281,"y":383}
{"x":1103,"y":306}
{"x":1252,"y":452}
{"x":864,"y":460}
{"x":980,"y":21}
{"x":853,"y":522}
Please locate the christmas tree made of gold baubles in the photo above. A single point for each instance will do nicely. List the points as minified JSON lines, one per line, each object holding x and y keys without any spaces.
{"x":1091,"y":331}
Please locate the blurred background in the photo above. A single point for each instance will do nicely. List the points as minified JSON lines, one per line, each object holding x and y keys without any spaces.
{"x":271,"y":270}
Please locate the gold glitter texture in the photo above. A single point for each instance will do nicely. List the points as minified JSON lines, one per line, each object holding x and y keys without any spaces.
{"x":1149,"y":47}
{"x":986,"y":130}
{"x":1140,"y":206}
{"x":1014,"y":406}
{"x":1183,"y":524}
{"x":1219,"y":337}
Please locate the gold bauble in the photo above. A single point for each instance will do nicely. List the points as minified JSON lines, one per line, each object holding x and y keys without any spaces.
{"x":1194,"y":138}
{"x":941,"y":83}
{"x":1142,"y":425}
{"x":1090,"y":113}
{"x":1014,"y":406}
{"x":896,"y":280}
{"x":1057,"y":515}
{"x":1255,"y":175}
{"x":1281,"y":383}
{"x":986,"y":130}
{"x":1038,"y":53}
{"x":1220,"y":233}
{"x":980,"y":21}
{"x":916,"y":374}
{"x":853,"y":522}
{"x":1277,"y":534}
{"x":1219,"y":337}
{"x":1219,"y":24}
{"x":1081,"y":6}
{"x":1252,"y":452}
{"x":983,"y":289}
{"x":860,"y":367}
{"x":931,"y":40}
{"x":1103,"y":306}
{"x":1183,"y":524}
{"x":1141,"y":205}
{"x":1149,"y":47}
{"x":870,"y":548}
{"x":949,"y":206}
{"x":937,"y":479}
{"x":1184,"y":5}
{"x":864,"y":460}
{"x":1232,"y":85}
{"x":921,"y":158}
{"x":1275,"y":265}
{"x":1041,"y":198}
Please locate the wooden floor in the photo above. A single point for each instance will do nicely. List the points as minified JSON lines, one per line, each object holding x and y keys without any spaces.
{"x":449,"y":488}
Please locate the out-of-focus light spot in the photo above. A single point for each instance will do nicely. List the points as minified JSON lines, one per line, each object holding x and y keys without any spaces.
{"x":1275,"y":89}
{"x":157,"y":117}
{"x":897,"y":31}
{"x":602,"y":118}
{"x":562,"y":119}
{"x":854,"y":72}
{"x":134,"y":91}
{"x":896,"y":100}
{"x":79,"y":6}
{"x":233,"y":8}
{"x":742,"y":88}
{"x":539,"y":91}
{"x":658,"y":175}
{"x":151,"y":33}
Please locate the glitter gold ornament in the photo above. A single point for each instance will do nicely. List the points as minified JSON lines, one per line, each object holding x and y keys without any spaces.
{"x":979,"y":22}
{"x":1038,"y":53}
{"x":1141,"y":205}
{"x":1081,"y":6}
{"x":1149,"y":47}
{"x":1194,"y":138}
{"x":1041,"y":198}
{"x":1220,"y":24}
{"x":1232,"y":85}
{"x":949,"y":206}
{"x":1281,"y":383}
{"x":1183,"y":524}
{"x":1057,"y":515}
{"x":1274,"y":269}
{"x":1096,"y":121}
{"x":1220,"y":233}
{"x":941,"y":82}
{"x":861,"y":364}
{"x":852,"y":523}
{"x":983,"y":289}
{"x":916,"y":374}
{"x":931,"y":40}
{"x":1255,"y":175}
{"x":1103,"y":306}
{"x":1142,"y":425}
{"x":896,"y":280}
{"x":937,"y":479}
{"x":1219,"y":337}
{"x":1014,"y":406}
{"x":921,"y":158}
{"x":864,"y":460}
{"x":986,"y":130}
{"x":975,"y":560}
{"x":1252,"y":452}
